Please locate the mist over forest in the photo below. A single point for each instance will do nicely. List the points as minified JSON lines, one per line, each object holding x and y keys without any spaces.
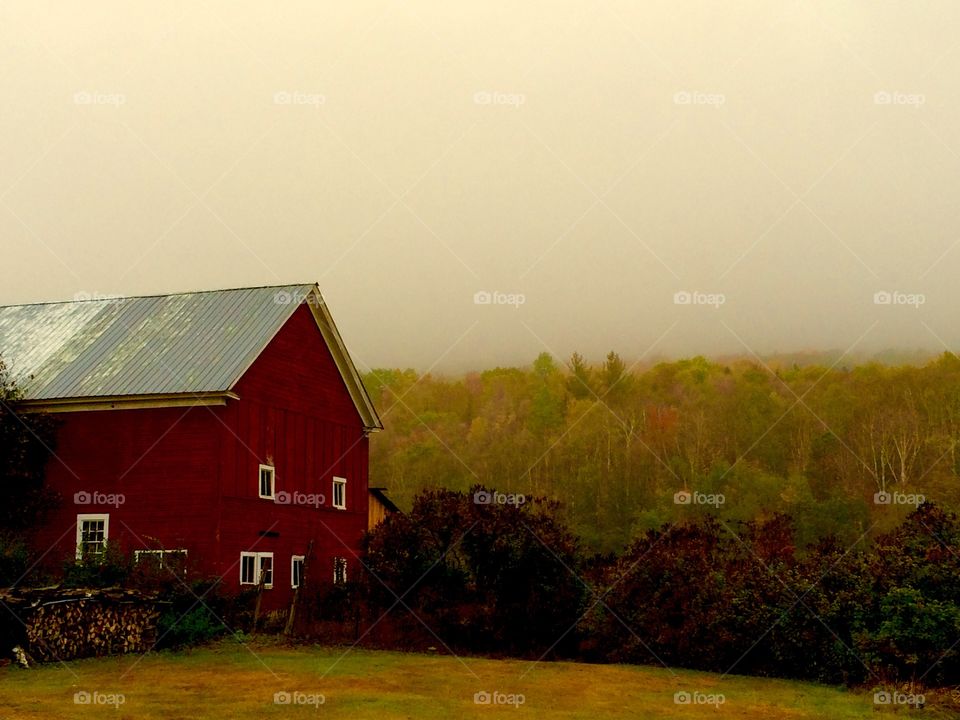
{"x":841,"y":448}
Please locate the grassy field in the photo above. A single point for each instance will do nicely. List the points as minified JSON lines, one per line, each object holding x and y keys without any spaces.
{"x":233,"y":681}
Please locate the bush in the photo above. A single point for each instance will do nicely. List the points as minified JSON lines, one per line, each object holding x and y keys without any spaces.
{"x":14,"y":560}
{"x":915,"y":640}
{"x":111,"y":569}
{"x":196,"y":626}
{"x":490,"y":577}
{"x":193,"y":614}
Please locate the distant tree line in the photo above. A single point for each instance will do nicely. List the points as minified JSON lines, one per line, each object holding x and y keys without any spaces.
{"x":616,"y":444}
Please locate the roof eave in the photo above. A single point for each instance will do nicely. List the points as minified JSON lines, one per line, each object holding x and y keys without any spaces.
{"x":125,"y":402}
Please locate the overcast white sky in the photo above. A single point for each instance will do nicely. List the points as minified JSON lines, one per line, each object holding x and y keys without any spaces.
{"x":594,"y":158}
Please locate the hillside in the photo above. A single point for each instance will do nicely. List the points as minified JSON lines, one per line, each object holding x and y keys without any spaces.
{"x":615,"y":444}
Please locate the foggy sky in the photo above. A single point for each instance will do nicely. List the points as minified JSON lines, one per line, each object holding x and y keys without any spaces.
{"x":781,"y":162}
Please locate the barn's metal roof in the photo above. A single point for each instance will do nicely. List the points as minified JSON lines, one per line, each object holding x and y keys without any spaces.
{"x":197,"y":342}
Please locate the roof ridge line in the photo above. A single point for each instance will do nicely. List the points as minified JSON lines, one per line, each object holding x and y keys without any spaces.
{"x":113,"y":298}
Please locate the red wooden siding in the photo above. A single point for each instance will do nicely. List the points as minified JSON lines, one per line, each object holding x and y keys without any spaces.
{"x":190,"y":477}
{"x":164,"y":462}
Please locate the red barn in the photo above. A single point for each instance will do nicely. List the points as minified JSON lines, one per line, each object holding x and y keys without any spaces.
{"x":227,"y":428}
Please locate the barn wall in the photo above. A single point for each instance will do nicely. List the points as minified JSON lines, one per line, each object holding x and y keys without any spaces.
{"x":296,"y":414}
{"x":164,"y":463}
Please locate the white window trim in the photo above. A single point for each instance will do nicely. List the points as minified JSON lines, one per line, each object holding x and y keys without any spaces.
{"x":293,"y":562}
{"x":273,"y":481}
{"x":256,"y":567}
{"x":91,"y":516}
{"x":273,"y":569}
{"x":244,"y":555}
{"x":335,"y":561}
{"x":137,"y":554}
{"x":343,"y":482}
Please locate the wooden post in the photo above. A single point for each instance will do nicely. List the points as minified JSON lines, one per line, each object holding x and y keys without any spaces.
{"x":256,"y":609}
{"x":288,"y":629}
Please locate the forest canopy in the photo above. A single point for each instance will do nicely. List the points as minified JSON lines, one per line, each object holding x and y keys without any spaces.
{"x":843,"y":451}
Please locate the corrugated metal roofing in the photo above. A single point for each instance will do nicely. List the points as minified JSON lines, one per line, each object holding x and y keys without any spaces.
{"x":187,"y":343}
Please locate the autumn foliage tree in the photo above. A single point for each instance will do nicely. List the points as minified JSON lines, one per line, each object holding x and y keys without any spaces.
{"x":615,"y":440}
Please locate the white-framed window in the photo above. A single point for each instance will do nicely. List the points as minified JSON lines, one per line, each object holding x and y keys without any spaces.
{"x":296,"y":571}
{"x":248,"y":568}
{"x":92,"y":534}
{"x":175,"y":560}
{"x":267,"y":481}
{"x":255,"y":566}
{"x":340,"y":493}
{"x":339,"y":570}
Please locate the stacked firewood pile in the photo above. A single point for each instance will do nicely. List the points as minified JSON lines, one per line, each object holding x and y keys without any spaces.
{"x":66,"y":623}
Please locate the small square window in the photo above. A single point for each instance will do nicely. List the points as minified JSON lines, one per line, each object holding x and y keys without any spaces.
{"x":267,"y":481}
{"x":340,"y":493}
{"x":339,"y":570}
{"x":296,"y":571}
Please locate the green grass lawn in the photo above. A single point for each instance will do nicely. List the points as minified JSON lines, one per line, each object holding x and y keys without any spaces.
{"x":233,"y":681}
